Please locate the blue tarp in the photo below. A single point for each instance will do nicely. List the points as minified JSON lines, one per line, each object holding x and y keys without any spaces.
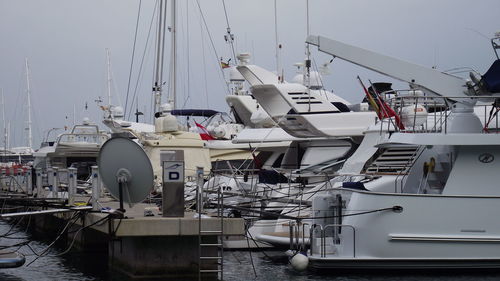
{"x":194,"y":112}
{"x":491,"y":78}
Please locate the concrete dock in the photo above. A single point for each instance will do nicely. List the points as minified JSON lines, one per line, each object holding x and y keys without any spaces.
{"x":138,"y":246}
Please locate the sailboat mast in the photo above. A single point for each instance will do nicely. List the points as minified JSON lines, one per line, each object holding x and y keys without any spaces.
{"x":160,"y":51}
{"x":28,"y":92}
{"x":108,"y":64}
{"x":173,"y":92}
{"x":8,"y":135}
{"x":4,"y":124}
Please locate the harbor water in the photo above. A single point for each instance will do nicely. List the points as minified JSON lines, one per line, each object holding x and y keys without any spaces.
{"x":238,"y":265}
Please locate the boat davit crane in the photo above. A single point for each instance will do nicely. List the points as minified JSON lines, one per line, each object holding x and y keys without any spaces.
{"x":431,"y":80}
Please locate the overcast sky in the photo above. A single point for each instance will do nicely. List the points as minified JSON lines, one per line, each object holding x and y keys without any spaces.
{"x":65,"y":42}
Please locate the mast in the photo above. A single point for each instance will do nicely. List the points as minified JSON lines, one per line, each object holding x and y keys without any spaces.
{"x":173,"y":94}
{"x":8,"y":135}
{"x":159,"y":57}
{"x":4,"y":127}
{"x":278,"y":45}
{"x":307,"y":68}
{"x":108,"y":64}
{"x":28,"y":92}
{"x":4,"y":121}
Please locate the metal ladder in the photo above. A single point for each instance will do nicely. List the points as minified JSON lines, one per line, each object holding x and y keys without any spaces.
{"x":204,"y":258}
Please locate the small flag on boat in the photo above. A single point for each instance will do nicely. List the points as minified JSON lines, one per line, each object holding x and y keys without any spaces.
{"x":370,"y":99}
{"x":204,"y":134}
{"x":224,"y":64}
{"x":385,"y":111}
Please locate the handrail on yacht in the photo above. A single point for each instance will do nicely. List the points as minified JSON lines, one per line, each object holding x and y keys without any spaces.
{"x":86,"y":138}
{"x":440,"y":112}
{"x":405,"y":175}
{"x":296,"y":236}
{"x":323,"y":237}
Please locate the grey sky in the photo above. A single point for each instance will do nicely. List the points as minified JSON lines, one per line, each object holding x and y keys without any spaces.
{"x":65,"y":42}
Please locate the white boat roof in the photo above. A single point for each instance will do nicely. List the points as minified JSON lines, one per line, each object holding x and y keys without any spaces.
{"x":43,"y":151}
{"x":227,"y":144}
{"x":256,"y":75}
{"x":251,"y":135}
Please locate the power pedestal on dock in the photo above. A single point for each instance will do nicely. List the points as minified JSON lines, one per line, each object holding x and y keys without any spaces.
{"x":172,"y":163}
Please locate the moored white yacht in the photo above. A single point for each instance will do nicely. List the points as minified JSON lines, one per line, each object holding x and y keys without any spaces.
{"x":312,"y":155}
{"x":434,"y":209}
{"x":78,"y":148}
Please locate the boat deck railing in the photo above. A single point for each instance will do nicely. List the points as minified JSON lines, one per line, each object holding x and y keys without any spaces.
{"x":69,"y":139}
{"x":436,"y":111}
{"x":327,"y":232}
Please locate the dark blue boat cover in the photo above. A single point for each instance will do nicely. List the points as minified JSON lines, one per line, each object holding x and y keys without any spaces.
{"x":354,"y":185}
{"x":491,"y":78}
{"x":194,"y":112}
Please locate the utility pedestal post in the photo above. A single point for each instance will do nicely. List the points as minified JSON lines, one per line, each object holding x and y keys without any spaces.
{"x":39,"y":182}
{"x":29,"y":181}
{"x":199,"y":190}
{"x":3,"y":182}
{"x":96,"y":190}
{"x":172,"y":162}
{"x":19,"y":179}
{"x":71,"y":185}
{"x":50,"y":178}
{"x":55,"y":188}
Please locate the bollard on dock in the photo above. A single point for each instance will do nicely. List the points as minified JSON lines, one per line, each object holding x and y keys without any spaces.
{"x":55,"y":187}
{"x":71,"y":185}
{"x":96,"y":188}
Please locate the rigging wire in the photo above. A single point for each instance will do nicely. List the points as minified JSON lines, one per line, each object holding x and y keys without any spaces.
{"x":139,"y":75}
{"x":133,"y":55}
{"x":221,"y":72}
{"x":186,"y":99}
{"x":204,"y":63}
{"x":230,"y":36}
{"x":250,"y":252}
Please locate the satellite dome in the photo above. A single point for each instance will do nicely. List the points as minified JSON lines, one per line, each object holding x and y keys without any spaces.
{"x":117,"y":111}
{"x":244,"y":58}
{"x":166,"y":107}
{"x":315,"y":80}
{"x":299,"y":79}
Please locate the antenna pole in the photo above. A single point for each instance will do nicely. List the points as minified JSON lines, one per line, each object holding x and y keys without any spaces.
{"x":28,"y":91}
{"x":120,"y":191}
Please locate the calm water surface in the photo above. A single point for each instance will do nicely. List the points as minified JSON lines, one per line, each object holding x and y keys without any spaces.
{"x":270,"y":265}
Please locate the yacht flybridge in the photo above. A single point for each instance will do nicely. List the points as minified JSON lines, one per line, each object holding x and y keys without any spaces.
{"x":306,"y":111}
{"x":429,"y":196}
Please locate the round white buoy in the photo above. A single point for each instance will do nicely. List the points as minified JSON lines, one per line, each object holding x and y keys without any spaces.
{"x":299,"y":262}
